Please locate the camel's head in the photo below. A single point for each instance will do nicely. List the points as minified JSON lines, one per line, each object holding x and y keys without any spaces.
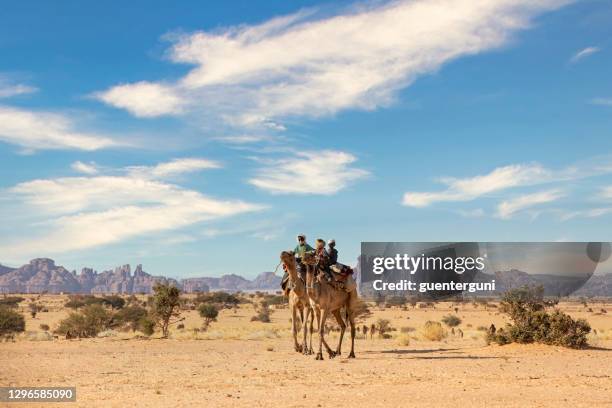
{"x":287,"y":257}
{"x":309,"y":258}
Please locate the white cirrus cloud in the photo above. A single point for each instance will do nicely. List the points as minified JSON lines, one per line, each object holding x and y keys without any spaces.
{"x":305,"y":65}
{"x":588,"y":213}
{"x":467,"y":189}
{"x":174,"y":167}
{"x":601,"y":101}
{"x":507,"y":209}
{"x":583,"y":53}
{"x":606,"y":192}
{"x":9,"y":89}
{"x":309,"y":172}
{"x":85,"y":168}
{"x":75,"y":213}
{"x":37,"y":130}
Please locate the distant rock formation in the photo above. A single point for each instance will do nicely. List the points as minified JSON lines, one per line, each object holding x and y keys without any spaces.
{"x":42,"y":275}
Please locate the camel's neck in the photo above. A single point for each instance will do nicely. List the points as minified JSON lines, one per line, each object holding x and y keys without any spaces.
{"x":297,"y":283}
{"x":312,"y":287}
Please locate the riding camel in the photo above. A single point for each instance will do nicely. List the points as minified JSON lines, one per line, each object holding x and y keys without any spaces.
{"x":298,"y":302}
{"x":329,"y":299}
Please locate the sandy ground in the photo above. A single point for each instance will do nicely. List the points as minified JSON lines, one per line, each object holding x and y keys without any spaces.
{"x":243,"y":363}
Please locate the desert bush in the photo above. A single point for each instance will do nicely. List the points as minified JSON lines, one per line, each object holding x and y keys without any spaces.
{"x":88,"y":323}
{"x":180,"y":326}
{"x":263,"y":313}
{"x":11,"y":301}
{"x":383,"y":326}
{"x":407,"y":329}
{"x":275,"y":300}
{"x":403,"y":339}
{"x":129,"y":317}
{"x":532,"y":323}
{"x":166,"y":300}
{"x":223,"y":300}
{"x":451,"y":320}
{"x":147,"y":326}
{"x":44,"y":327}
{"x":75,"y":303}
{"x":433,"y":331}
{"x":482,"y":328}
{"x":11,"y":322}
{"x":208,"y":312}
{"x":361,"y":310}
{"x":114,"y":301}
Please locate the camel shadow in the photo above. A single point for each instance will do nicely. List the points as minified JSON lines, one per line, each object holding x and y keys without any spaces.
{"x":408,"y":351}
{"x":455,"y":358}
{"x":596,"y":348}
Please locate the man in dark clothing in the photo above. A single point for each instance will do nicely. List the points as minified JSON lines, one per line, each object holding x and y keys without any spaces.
{"x":332,"y":252}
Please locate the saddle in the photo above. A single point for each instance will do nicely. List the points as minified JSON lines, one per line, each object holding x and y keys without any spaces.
{"x":343,"y":277}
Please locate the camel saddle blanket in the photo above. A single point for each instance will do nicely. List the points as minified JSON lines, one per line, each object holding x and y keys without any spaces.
{"x":344,"y":274}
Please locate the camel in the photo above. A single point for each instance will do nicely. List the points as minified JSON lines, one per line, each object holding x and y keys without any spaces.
{"x":298,"y":302}
{"x":330,"y":301}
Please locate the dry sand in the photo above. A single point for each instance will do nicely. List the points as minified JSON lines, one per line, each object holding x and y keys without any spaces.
{"x":243,"y":363}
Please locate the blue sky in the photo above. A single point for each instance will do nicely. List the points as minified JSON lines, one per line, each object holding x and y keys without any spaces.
{"x":200,"y":140}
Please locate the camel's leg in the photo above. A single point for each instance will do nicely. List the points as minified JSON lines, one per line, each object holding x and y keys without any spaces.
{"x":321,"y":332}
{"x":305,"y":330}
{"x":351,"y":319}
{"x":342,"y":328}
{"x":294,"y":327}
{"x":312,"y":316}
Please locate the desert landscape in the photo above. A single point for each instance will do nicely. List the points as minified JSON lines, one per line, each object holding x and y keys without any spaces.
{"x":241,"y":361}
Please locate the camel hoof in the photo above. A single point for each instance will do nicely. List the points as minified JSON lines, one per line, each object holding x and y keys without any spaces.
{"x":332,"y":354}
{"x":298,"y":348}
{"x":352,"y":355}
{"x":319,"y":356}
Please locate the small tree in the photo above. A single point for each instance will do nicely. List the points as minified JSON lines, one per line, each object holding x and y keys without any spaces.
{"x":11,"y":322}
{"x":166,"y":305}
{"x":208,"y":312}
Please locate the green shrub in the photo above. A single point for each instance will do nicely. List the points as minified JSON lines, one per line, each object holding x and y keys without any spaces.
{"x":208,"y":312}
{"x":11,"y":301}
{"x":114,"y":301}
{"x":88,"y":323}
{"x":147,"y":326}
{"x":129,"y":317}
{"x":451,"y":320}
{"x":532,"y":323}
{"x":10,"y":321}
{"x":223,"y":299}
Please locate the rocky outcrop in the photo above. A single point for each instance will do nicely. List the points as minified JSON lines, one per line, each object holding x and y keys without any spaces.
{"x":42,"y":275}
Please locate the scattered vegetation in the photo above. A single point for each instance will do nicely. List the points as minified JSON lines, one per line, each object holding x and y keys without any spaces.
{"x":129,"y":317}
{"x":433,"y":331}
{"x":383,"y":326}
{"x":90,"y":321}
{"x":11,"y":322}
{"x":263,"y":313}
{"x":532,"y":323}
{"x":451,"y":320}
{"x":11,"y":301}
{"x":44,"y":327}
